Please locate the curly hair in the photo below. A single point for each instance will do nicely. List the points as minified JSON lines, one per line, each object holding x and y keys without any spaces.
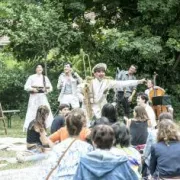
{"x":167,"y":131}
{"x":75,"y":121}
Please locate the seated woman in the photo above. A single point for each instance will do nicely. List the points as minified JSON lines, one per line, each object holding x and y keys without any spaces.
{"x":37,"y":141}
{"x":123,"y":146}
{"x":138,"y":127}
{"x":101,"y":163}
{"x":165,"y":155}
{"x":65,"y":156}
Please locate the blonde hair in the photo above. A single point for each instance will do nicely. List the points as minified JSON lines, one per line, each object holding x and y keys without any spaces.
{"x":167,"y":131}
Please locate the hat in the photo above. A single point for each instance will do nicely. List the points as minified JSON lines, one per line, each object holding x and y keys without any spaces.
{"x":99,"y":66}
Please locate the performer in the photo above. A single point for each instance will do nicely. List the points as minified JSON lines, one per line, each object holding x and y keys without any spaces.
{"x":125,"y":95}
{"x":38,"y":86}
{"x":150,"y":86}
{"x":94,"y":91}
{"x":67,"y":83}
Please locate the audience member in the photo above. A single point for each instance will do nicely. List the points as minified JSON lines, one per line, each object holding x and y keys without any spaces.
{"x":63,"y":134}
{"x":123,"y":146}
{"x":37,"y":141}
{"x":59,"y":121}
{"x":101,"y":163}
{"x":63,"y":161}
{"x":109,"y":111}
{"x":138,"y":126}
{"x":164,"y":162}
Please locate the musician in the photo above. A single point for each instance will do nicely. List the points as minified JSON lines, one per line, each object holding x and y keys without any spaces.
{"x":99,"y":87}
{"x":150,"y":86}
{"x":38,"y":86}
{"x":67,"y":83}
{"x":126,"y":94}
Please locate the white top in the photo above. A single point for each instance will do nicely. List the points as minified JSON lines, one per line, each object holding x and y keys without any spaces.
{"x":151,"y":115}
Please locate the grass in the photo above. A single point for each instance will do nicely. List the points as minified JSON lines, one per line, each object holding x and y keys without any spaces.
{"x":16,"y":129}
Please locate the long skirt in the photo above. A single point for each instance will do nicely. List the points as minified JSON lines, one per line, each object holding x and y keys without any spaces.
{"x":36,"y":100}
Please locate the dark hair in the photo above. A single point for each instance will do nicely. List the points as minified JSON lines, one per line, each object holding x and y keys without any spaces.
{"x":102,"y":120}
{"x":62,"y":106}
{"x":68,"y":63}
{"x":40,"y":119}
{"x":165,"y":115}
{"x":122,"y":134}
{"x":103,"y":136}
{"x":141,"y":113}
{"x":75,"y":121}
{"x":143,"y":96}
{"x":109,"y":111}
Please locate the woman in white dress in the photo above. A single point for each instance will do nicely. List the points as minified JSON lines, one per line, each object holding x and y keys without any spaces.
{"x":38,"y":86}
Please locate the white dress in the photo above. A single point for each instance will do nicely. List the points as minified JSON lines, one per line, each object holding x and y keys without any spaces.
{"x":37,"y":99}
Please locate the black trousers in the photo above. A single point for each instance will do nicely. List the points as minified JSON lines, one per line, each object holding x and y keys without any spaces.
{"x":122,"y":104}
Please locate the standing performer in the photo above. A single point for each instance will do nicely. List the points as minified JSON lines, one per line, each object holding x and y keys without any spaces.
{"x":38,"y":86}
{"x":125,"y":94}
{"x":68,"y":82}
{"x":94,"y":91}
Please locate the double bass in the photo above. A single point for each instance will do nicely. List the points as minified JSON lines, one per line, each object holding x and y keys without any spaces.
{"x":155,"y":92}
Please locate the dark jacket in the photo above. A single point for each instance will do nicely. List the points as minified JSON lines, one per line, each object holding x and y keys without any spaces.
{"x":103,"y":165}
{"x":165,"y":159}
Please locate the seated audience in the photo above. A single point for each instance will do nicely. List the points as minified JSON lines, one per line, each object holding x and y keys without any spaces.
{"x":138,"y":126}
{"x":64,"y":158}
{"x":59,"y":121}
{"x":102,"y":163}
{"x":63,"y":134}
{"x":109,"y":111}
{"x":165,"y":159}
{"x":152,"y":139}
{"x":123,"y":146}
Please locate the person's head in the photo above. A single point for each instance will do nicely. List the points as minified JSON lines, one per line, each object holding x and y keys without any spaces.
{"x":75,"y":121}
{"x":150,"y":83}
{"x":165,"y":115}
{"x":39,"y":69}
{"x":100,"y":121}
{"x":109,"y":111}
{"x":142,"y":99}
{"x":167,"y":131}
{"x":102,"y":136}
{"x":64,"y":109}
{"x":132,"y":69}
{"x":140,"y":113}
{"x":99,"y":70}
{"x":41,"y":116}
{"x":122,"y":134}
{"x":67,"y":67}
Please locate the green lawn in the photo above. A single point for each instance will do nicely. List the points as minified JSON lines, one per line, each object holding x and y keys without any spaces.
{"x":16,"y":129}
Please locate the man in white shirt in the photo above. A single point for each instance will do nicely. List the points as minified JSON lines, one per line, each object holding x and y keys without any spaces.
{"x":142,"y":100}
{"x":98,"y":88}
{"x":67,"y":83}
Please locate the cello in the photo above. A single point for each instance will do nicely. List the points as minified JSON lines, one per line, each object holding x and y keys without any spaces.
{"x":155,"y":92}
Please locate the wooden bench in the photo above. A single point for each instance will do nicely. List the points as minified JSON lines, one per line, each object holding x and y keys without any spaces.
{"x":9,"y":114}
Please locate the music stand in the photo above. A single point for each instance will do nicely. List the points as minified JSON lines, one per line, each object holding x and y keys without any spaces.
{"x":161,"y":100}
